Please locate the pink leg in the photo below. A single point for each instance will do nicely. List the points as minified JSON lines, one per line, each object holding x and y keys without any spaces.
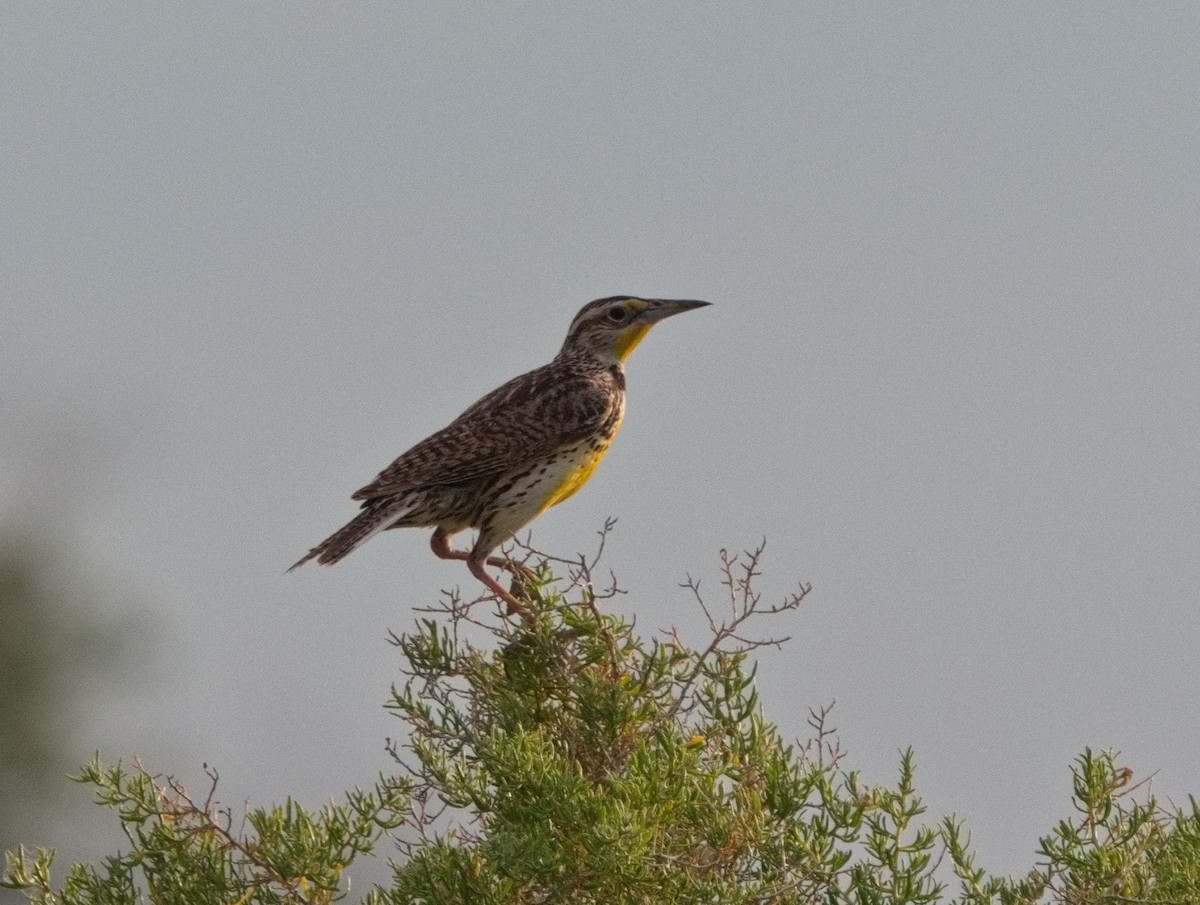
{"x":440,"y":544}
{"x":514,"y":606}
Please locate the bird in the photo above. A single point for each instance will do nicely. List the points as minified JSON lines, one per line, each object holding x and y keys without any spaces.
{"x":524,"y":447}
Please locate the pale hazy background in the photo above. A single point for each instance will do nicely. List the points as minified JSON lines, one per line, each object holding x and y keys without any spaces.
{"x":250,"y":253}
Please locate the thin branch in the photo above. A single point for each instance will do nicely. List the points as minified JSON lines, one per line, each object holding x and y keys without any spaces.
{"x":739,"y":576}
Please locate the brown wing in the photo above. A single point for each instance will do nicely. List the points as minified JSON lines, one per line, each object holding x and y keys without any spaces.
{"x":530,"y":416}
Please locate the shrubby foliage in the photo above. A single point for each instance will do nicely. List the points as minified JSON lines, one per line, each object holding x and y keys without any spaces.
{"x":573,"y":761}
{"x":56,"y":640}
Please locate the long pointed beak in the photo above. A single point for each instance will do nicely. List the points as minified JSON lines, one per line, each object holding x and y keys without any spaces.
{"x":657,"y":309}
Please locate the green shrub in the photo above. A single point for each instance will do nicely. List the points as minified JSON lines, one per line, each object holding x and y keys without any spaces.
{"x":573,"y":761}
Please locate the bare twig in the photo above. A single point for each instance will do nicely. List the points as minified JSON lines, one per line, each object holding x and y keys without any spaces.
{"x":823,"y":745}
{"x":739,"y":575}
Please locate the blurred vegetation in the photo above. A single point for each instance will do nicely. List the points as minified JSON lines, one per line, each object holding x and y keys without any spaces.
{"x":52,"y":650}
{"x":573,"y":761}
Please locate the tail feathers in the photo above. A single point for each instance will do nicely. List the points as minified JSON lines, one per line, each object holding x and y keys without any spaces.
{"x":346,"y":539}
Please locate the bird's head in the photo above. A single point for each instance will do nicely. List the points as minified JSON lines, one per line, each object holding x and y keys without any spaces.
{"x":608,"y":329}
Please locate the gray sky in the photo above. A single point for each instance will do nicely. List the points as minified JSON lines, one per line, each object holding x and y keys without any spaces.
{"x":250,"y":253}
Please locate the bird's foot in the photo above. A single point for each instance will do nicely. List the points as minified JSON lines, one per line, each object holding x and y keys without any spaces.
{"x":520,"y":587}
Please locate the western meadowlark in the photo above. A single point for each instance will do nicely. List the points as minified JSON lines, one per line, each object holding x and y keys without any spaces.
{"x":516,"y":452}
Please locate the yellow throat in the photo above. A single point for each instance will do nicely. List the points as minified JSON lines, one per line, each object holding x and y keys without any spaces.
{"x":628,"y":338}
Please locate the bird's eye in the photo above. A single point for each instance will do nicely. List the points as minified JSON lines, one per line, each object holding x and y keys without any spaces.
{"x":618,"y":314}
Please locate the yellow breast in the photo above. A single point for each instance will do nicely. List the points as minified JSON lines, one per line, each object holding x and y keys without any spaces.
{"x":577,"y":472}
